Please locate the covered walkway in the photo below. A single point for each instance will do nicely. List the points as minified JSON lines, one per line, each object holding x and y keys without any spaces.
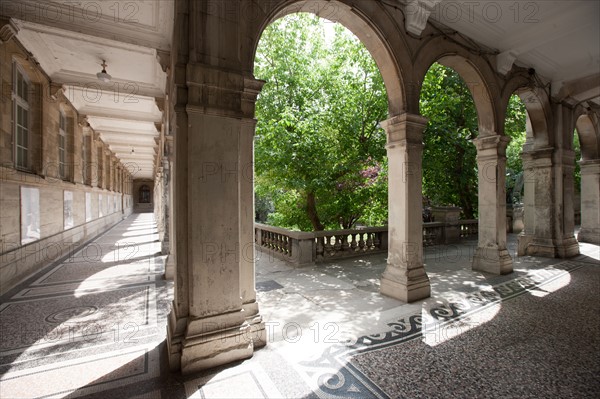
{"x":95,"y":324}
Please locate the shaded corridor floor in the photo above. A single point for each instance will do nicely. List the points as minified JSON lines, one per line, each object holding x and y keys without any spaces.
{"x":94,"y":326}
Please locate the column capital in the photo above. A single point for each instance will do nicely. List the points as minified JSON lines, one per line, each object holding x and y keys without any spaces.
{"x":497,"y":142}
{"x":404,"y":129}
{"x":7,"y":32}
{"x":538,"y":158}
{"x":222,"y":92}
{"x":590,"y":166}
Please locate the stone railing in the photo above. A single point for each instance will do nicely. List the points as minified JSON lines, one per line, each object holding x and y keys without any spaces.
{"x":469,"y":228}
{"x":301,"y":248}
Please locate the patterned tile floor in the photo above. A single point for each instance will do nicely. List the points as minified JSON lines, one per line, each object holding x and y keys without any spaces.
{"x":93,"y":326}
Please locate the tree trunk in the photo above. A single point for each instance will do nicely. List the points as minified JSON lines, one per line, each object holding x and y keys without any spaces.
{"x":311,"y":211}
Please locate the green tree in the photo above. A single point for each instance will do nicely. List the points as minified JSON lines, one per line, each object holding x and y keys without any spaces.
{"x":449,"y":156}
{"x":514,"y":127}
{"x":319,"y":151}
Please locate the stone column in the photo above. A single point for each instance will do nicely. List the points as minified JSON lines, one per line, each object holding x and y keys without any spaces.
{"x":404,"y":277}
{"x":246,"y":189}
{"x":590,"y":202}
{"x":209,"y":321}
{"x":526,"y":236}
{"x":170,"y":200}
{"x":564,"y":213}
{"x":491,"y":255}
{"x":537,"y":238}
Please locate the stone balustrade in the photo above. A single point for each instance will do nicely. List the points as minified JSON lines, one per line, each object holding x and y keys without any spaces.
{"x":300,"y":248}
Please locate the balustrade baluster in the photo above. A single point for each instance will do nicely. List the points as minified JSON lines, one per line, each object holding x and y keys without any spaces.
{"x":369,"y":241}
{"x":320,"y":247}
{"x":376,"y":241}
{"x":361,"y":242}
{"x":328,"y":247}
{"x":338,"y":243}
{"x":345,"y":243}
{"x":353,"y":244}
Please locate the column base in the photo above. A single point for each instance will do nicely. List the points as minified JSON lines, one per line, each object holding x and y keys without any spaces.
{"x":403,"y":288}
{"x":257,"y":325}
{"x":175,"y":335}
{"x":492,"y":260}
{"x":567,"y":248}
{"x":591,"y":236}
{"x":523,"y":242}
{"x":544,"y":247}
{"x":205,"y":343}
{"x":215,"y":349}
{"x":170,"y":267}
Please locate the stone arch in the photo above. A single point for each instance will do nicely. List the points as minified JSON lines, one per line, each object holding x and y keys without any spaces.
{"x":537,"y":104}
{"x":588,"y":129}
{"x":476,"y":73}
{"x":359,"y":20}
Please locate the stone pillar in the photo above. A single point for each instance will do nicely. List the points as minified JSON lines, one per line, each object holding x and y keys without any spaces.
{"x":590,"y":202}
{"x":210,"y":99}
{"x":404,"y":277}
{"x":246,"y":189}
{"x":491,"y":255}
{"x":537,"y":238}
{"x":111,"y":167}
{"x":170,"y":216}
{"x":564,"y":213}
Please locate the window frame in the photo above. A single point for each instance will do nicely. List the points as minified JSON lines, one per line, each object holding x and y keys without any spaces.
{"x":19,"y":102}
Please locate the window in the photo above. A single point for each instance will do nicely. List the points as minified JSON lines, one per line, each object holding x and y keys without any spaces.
{"x":21,"y":87}
{"x":144,"y":195}
{"x":62,"y":146}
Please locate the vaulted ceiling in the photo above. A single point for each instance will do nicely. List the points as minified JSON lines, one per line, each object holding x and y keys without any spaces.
{"x":559,"y":39}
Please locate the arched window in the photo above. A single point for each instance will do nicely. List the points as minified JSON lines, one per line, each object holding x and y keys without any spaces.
{"x":144,"y":195}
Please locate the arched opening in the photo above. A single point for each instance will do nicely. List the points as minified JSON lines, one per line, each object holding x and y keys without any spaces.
{"x":461,"y":112}
{"x":449,"y":156}
{"x":521,"y":136}
{"x":528,"y":109}
{"x":320,"y":157}
{"x":144,"y":194}
{"x":369,"y":35}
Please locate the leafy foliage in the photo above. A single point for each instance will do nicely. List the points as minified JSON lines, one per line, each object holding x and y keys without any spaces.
{"x":514,"y":127}
{"x":449,"y":156}
{"x":320,"y":155}
{"x":319,"y":152}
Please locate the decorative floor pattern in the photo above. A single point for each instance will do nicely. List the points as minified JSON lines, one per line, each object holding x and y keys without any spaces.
{"x":89,"y":323}
{"x":338,"y":376}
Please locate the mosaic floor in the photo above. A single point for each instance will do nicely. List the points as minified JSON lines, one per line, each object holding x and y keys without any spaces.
{"x":93,"y":326}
